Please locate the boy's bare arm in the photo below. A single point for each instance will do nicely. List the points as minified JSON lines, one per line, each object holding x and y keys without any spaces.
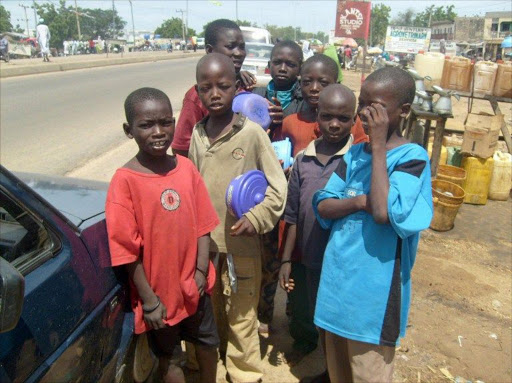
{"x":332,"y":208}
{"x":378,"y":123}
{"x":149,"y":299}
{"x":202,"y":265}
{"x":285,"y":282}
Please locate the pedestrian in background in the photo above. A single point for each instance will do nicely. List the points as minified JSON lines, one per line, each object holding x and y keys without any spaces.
{"x":43,"y":39}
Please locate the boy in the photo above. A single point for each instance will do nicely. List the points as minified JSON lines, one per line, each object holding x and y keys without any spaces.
{"x":225,"y":145}
{"x":301,"y":128}
{"x":283,"y":91}
{"x":159,"y":217}
{"x":376,"y":203}
{"x":311,"y":171}
{"x":221,"y":36}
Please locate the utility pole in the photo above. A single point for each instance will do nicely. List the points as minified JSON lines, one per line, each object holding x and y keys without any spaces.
{"x":183,"y":26}
{"x":133,"y":24}
{"x":78,"y":23}
{"x":26,"y":17}
{"x":113,"y":20}
{"x":236,"y":10}
{"x":35,"y":16}
{"x":186,"y":23}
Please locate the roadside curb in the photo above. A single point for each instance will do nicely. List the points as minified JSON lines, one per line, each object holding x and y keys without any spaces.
{"x":56,"y":67}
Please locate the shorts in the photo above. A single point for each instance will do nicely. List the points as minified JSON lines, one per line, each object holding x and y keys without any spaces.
{"x":198,"y":328}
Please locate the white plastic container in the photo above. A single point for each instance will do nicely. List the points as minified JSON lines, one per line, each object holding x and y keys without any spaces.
{"x":430,"y":64}
{"x":485,"y":76}
{"x":501,"y":179}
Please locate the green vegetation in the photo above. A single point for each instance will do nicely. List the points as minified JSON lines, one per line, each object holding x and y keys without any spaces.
{"x":173,"y":29}
{"x":5,"y":20}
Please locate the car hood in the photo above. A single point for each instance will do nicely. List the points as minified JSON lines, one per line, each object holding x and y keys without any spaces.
{"x":78,"y":200}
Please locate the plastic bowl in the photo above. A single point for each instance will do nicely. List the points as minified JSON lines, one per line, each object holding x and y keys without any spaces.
{"x":245,"y":191}
{"x":283,"y":151}
{"x":254,"y":107}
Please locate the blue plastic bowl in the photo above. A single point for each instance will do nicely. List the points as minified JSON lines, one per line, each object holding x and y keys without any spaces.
{"x":245,"y":191}
{"x":283,"y":151}
{"x":254,"y":107}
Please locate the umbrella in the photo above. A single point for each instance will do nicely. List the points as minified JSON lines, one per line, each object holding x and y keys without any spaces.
{"x":507,"y":42}
{"x":350,"y":42}
{"x":374,"y":51}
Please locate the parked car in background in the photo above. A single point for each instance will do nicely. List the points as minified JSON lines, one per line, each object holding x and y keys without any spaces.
{"x":200,"y":43}
{"x":63,"y":309}
{"x":256,"y":61}
{"x":256,"y":35}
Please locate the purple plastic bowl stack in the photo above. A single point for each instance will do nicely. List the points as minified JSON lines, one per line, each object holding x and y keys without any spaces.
{"x":245,"y":191}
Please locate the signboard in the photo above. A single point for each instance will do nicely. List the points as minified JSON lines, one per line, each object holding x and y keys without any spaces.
{"x":353,"y":19}
{"x":449,"y":47}
{"x":407,"y":39}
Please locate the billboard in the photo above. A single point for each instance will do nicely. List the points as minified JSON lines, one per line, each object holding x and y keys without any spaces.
{"x":353,"y":19}
{"x":407,"y":39}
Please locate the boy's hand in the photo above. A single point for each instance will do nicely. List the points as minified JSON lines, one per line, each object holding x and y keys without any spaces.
{"x":275,"y":111}
{"x":155,"y":319}
{"x":378,"y":124}
{"x":285,"y":282}
{"x":364,"y":203}
{"x":243,"y":227}
{"x":200,"y":282}
{"x":248,"y":80}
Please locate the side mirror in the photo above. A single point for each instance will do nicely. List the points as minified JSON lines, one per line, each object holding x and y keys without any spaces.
{"x":12,"y":291}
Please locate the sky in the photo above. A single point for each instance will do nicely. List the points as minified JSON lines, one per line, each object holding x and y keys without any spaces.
{"x":311,"y":16}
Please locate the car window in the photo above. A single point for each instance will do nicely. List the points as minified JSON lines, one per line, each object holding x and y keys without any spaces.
{"x":258,"y":51}
{"x":23,"y":239}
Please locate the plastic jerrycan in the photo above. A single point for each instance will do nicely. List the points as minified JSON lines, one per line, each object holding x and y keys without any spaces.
{"x":444,"y":153}
{"x":485,"y":77}
{"x":503,"y":83}
{"x":459,"y":74}
{"x":430,"y":64}
{"x":478,"y":179}
{"x":501,"y":180}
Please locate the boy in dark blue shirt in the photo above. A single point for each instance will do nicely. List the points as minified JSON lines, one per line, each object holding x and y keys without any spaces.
{"x":376,"y":203}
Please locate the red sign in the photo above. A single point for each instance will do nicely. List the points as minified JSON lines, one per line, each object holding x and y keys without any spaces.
{"x":353,"y":19}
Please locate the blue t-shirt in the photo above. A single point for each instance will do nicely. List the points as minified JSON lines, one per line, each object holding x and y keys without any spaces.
{"x":365,"y":287}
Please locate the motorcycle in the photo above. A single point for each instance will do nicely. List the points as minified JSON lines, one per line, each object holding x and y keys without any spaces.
{"x":4,"y":54}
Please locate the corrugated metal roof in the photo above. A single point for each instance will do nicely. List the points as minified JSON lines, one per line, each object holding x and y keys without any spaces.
{"x":498,"y":14}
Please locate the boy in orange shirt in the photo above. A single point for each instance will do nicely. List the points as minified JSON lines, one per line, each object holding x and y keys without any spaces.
{"x":159,"y":218}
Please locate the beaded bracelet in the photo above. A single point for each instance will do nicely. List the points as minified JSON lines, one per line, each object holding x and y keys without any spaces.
{"x":202,"y":272}
{"x":148,"y":311}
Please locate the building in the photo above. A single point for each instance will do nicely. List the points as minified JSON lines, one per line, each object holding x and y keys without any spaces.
{"x":469,"y":29}
{"x":443,"y":30}
{"x":497,"y":26}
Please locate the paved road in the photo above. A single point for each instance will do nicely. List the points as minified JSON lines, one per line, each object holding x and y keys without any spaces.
{"x":54,"y":123}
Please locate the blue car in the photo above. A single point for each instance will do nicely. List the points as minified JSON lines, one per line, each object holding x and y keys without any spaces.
{"x":64,"y":312}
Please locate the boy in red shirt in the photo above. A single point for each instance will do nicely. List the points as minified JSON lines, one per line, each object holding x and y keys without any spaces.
{"x":159,"y":218}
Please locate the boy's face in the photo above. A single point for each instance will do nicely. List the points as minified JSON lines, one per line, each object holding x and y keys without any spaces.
{"x":152,"y":127}
{"x":230,"y":42}
{"x":315,"y":78}
{"x":335,"y":118}
{"x":380,"y":93}
{"x":284,"y":67}
{"x":216,"y":88}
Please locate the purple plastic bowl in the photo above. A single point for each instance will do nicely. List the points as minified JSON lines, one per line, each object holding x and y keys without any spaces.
{"x":246,"y":191}
{"x":254,"y":107}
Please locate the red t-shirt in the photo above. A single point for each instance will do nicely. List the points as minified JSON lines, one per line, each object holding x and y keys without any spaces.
{"x":158,"y":218}
{"x":191,"y":113}
{"x":302,"y":132}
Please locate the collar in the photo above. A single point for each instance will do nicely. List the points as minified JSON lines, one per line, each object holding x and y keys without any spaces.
{"x":237,"y":125}
{"x":311,"y":148}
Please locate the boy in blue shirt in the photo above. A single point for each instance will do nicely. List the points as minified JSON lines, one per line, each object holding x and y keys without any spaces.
{"x":376,"y":203}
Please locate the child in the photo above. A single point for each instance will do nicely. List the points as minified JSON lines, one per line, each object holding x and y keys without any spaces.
{"x":221,"y":36}
{"x":225,"y":145}
{"x":376,"y":203}
{"x":311,"y":171}
{"x":301,"y":128}
{"x":283,"y":91}
{"x":159,"y":217}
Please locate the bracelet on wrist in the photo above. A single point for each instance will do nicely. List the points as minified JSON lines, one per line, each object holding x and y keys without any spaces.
{"x":205,"y":274}
{"x":148,"y":311}
{"x":288,"y":261}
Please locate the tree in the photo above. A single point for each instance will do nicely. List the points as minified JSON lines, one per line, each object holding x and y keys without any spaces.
{"x":5,"y":20}
{"x":59,"y":20}
{"x":404,"y":19}
{"x":173,"y":29}
{"x":433,"y":13}
{"x":379,"y":24}
{"x":99,"y":23}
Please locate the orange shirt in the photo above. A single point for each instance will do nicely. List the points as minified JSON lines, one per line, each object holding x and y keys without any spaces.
{"x":301,"y":132}
{"x":158,"y":218}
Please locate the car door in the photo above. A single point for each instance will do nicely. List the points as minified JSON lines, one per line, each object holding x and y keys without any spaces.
{"x":72,"y":314}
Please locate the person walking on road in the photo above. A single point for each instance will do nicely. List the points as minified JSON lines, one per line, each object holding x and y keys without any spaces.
{"x":43,"y":39}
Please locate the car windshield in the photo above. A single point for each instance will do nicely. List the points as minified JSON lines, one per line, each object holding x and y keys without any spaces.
{"x":254,"y":36}
{"x":259,"y":52}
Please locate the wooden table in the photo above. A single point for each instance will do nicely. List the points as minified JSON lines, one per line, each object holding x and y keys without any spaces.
{"x":419,"y":114}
